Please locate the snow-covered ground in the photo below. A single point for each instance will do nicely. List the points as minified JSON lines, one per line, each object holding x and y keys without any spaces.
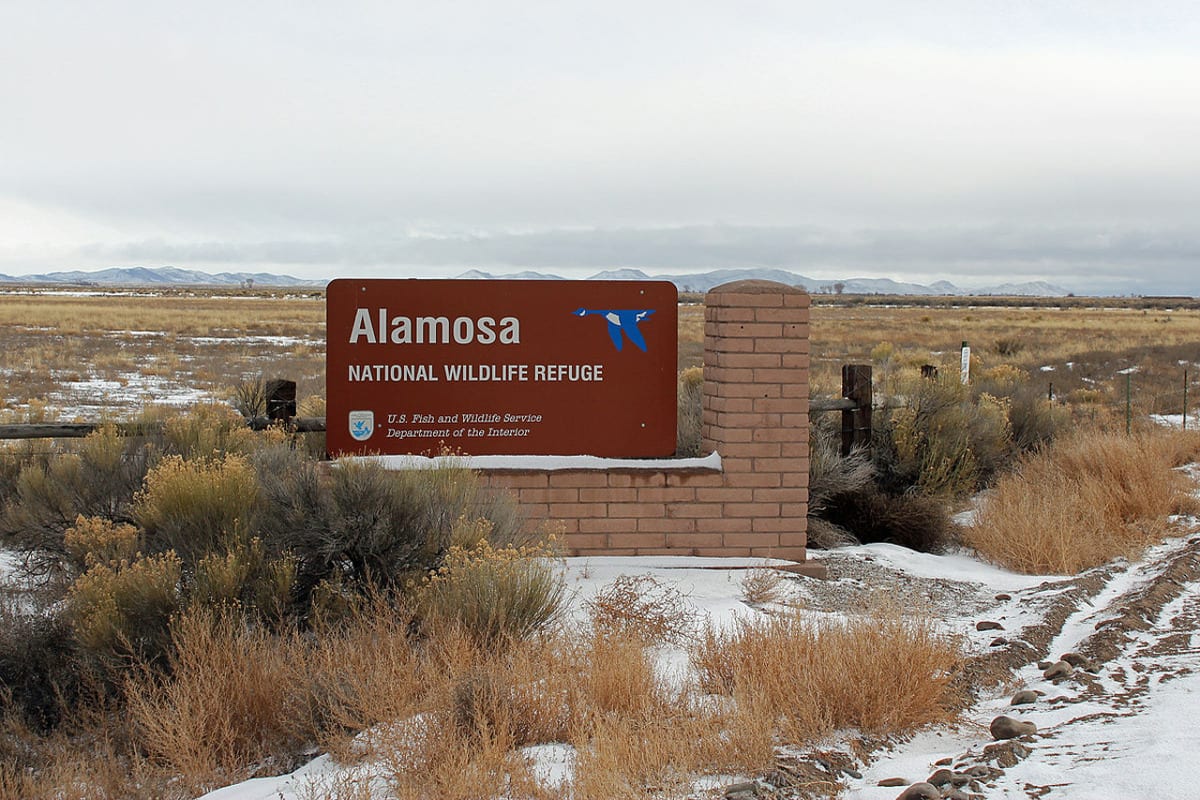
{"x":1126,"y":731}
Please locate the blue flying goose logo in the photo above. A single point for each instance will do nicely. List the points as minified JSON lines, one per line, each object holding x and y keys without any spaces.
{"x":621,"y":321}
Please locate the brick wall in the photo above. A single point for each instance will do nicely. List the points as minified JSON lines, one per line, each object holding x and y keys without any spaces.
{"x":756,"y":364}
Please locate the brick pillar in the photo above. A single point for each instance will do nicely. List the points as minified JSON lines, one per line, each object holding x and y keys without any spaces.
{"x":756,"y":367}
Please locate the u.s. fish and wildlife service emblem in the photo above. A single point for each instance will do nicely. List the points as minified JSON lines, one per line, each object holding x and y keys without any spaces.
{"x":362,"y":425}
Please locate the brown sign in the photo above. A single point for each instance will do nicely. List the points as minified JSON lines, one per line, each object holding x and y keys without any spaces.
{"x":501,"y":367}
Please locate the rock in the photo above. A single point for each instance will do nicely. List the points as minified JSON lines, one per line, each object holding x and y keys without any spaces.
{"x":1006,"y":754}
{"x":892,"y":782}
{"x":1003,"y":596}
{"x":943,"y":777}
{"x":1080,"y":662}
{"x":943,"y":762}
{"x":1024,"y":697}
{"x":1058,"y":670}
{"x":980,"y":771}
{"x":988,"y":625}
{"x":920,"y":791}
{"x":741,"y":791}
{"x":999,"y":641}
{"x":1008,"y":728}
{"x":1043,"y":665}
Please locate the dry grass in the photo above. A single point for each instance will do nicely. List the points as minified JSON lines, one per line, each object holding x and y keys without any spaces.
{"x":762,"y":586}
{"x":1085,"y":501}
{"x":883,"y":673}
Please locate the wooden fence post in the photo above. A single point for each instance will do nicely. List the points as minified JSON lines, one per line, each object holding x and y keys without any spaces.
{"x":281,"y":399}
{"x":856,"y":422}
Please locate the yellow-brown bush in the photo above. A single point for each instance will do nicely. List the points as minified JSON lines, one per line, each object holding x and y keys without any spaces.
{"x":95,"y":540}
{"x":124,"y":609}
{"x":198,"y":506}
{"x":494,"y":594}
{"x":1084,"y":501}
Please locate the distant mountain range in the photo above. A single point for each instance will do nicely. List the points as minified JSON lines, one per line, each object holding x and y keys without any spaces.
{"x":703,"y":281}
{"x":158,"y":276}
{"x":697,"y":282}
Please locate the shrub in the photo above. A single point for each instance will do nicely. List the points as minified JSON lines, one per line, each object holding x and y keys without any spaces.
{"x":1082,"y":502}
{"x":818,"y":678}
{"x":915,"y":521}
{"x":199,"y":506}
{"x":639,"y":607}
{"x":235,"y":697}
{"x":95,"y":540}
{"x":245,"y":578}
{"x":941,"y":443}
{"x":690,"y":412}
{"x":41,"y":675}
{"x":495,"y":595}
{"x":207,"y":431}
{"x":365,"y":525}
{"x":99,"y":480}
{"x":124,"y":609}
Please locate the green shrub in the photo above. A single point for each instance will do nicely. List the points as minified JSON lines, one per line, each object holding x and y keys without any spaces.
{"x":198,"y":507}
{"x":941,"y":442}
{"x":493,"y":594}
{"x":363,"y":525}
{"x":99,"y":480}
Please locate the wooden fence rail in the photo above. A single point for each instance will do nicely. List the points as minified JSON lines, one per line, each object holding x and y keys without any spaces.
{"x":78,"y":430}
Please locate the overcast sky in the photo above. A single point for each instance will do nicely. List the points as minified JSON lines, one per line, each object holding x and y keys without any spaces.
{"x":964,"y":140}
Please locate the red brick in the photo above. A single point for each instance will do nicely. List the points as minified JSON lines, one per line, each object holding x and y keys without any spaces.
{"x":730,"y":374}
{"x":621,"y":510}
{"x":796,"y":360}
{"x":568,"y":510}
{"x":776,"y":464}
{"x":752,"y":510}
{"x":607,"y":551}
{"x":795,"y":316}
{"x":680,"y":494}
{"x":693,"y":540}
{"x":797,"y":509}
{"x":637,"y":540}
{"x":549,"y":495}
{"x":780,"y":345}
{"x":799,"y":478}
{"x":727,"y":314}
{"x":793,"y":539}
{"x":607,"y":494}
{"x":745,"y":360}
{"x":729,"y":405}
{"x":781,"y":405}
{"x":604,"y":525}
{"x":724,"y":495}
{"x":789,"y":495}
{"x":536,"y":510}
{"x":753,"y":479}
{"x":751,"y":540}
{"x":666,"y":525}
{"x":736,"y":465}
{"x":721,"y":525}
{"x":794,"y":390}
{"x":778,"y":435}
{"x":566,"y":527}
{"x":779,"y":375}
{"x":716,"y":299}
{"x":774,"y":525}
{"x":798,"y":300}
{"x":729,"y":345}
{"x":755,"y":450}
{"x":587,"y":541}
{"x":695,"y":479}
{"x":590,"y":479}
{"x":722,"y":552}
{"x":748,"y":390}
{"x":695,"y":510}
{"x":637,"y":479}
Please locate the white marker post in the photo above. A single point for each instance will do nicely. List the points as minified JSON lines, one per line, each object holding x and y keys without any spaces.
{"x":966,"y":363}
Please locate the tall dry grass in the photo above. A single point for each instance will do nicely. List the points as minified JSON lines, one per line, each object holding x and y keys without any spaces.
{"x":1085,"y":501}
{"x":882,"y":673}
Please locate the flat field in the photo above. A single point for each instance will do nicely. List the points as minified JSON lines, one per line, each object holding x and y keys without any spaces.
{"x":90,"y":353}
